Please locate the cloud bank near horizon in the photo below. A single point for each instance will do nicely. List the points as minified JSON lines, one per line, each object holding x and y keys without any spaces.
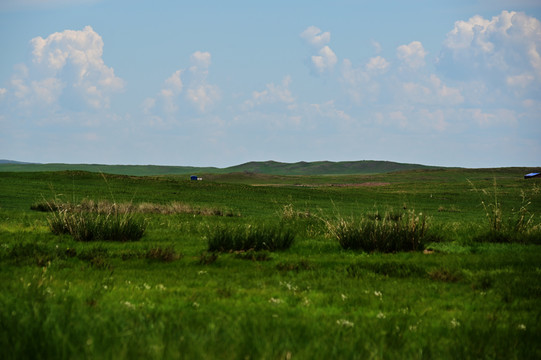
{"x":484,"y":82}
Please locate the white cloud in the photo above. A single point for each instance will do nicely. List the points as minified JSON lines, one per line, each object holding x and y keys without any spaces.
{"x":191,"y":85}
{"x":315,"y":37}
{"x":174,"y":83}
{"x":325,"y":60}
{"x":272,"y":94}
{"x":66,"y":64}
{"x":201,"y":59}
{"x":328,"y":110}
{"x":377,"y":64}
{"x":412,"y":54}
{"x":203,"y":96}
{"x":48,"y":90}
{"x":377,"y":46}
{"x":487,"y":119}
{"x":362,"y":82}
{"x":431,"y":91}
{"x":505,"y":49}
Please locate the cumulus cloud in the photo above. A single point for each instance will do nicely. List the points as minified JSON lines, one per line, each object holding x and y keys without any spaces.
{"x":272,"y":94}
{"x":201,"y":94}
{"x":377,"y":64}
{"x":189,"y":85}
{"x":66,"y":65}
{"x":432,"y":91}
{"x":412,"y":54}
{"x":363,"y":82}
{"x":505,"y":48}
{"x":315,"y":37}
{"x":326,"y":59}
{"x":377,"y":46}
{"x":328,"y":110}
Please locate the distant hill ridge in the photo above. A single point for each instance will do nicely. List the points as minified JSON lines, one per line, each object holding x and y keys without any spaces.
{"x":258,"y":167}
{"x":324,"y":167}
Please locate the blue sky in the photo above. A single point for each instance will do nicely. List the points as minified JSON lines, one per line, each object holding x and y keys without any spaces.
{"x":219,"y":83}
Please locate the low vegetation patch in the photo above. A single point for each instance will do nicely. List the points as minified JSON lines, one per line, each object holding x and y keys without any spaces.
{"x":295,"y":266}
{"x":207,"y":258}
{"x":389,"y":268}
{"x":163,"y":254}
{"x":388,"y":233}
{"x":517,"y":225}
{"x":290,"y":213}
{"x":107,"y":207}
{"x":88,"y":226}
{"x":270,"y":237}
{"x":445,"y":275}
{"x":253,"y":255}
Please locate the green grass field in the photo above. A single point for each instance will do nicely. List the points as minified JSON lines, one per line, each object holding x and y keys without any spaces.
{"x":473,"y":292}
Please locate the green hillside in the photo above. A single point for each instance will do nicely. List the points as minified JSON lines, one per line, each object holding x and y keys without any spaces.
{"x":325,"y":167}
{"x":133,"y":170}
{"x":266,"y":167}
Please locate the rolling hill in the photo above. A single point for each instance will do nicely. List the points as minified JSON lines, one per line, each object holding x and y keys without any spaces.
{"x":257,"y":167}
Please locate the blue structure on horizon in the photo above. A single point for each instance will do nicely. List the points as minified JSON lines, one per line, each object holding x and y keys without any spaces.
{"x":193,"y":177}
{"x":532,"y":175}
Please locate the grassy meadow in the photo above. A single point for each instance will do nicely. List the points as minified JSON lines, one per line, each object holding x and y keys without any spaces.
{"x":255,"y":266}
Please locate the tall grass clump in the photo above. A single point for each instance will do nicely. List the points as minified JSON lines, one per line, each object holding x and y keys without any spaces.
{"x":270,"y":237}
{"x":114,"y":225}
{"x":388,"y":233}
{"x":517,"y":225}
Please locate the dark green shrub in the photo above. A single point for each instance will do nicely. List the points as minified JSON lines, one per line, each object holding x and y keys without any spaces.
{"x":224,"y":238}
{"x":86,"y":226}
{"x":383,"y":233}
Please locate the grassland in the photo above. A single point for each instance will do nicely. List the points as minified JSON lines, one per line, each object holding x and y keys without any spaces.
{"x":168,"y":296}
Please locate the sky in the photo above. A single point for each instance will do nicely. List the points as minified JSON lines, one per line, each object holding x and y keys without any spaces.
{"x":220,"y":83}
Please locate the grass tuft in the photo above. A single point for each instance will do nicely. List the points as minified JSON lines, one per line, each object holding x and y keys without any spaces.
{"x":517,"y":225}
{"x":90,"y":226}
{"x":388,"y":233}
{"x":268,"y":237}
